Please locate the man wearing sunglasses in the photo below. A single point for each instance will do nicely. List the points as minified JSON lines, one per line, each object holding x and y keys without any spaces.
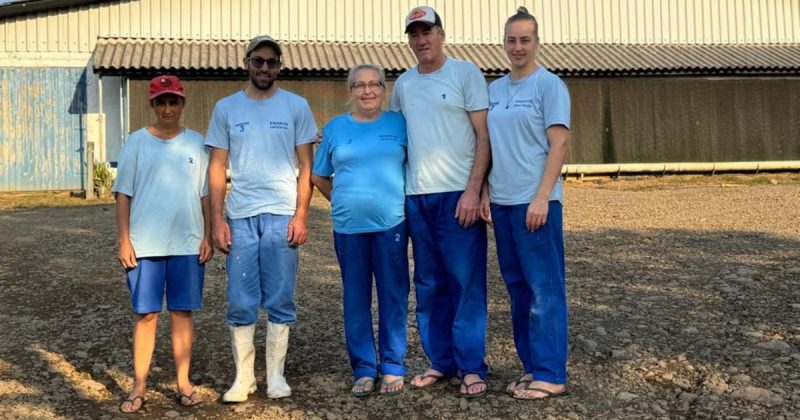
{"x":258,"y":132}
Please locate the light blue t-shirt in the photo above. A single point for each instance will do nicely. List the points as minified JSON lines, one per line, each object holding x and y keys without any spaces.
{"x":441,"y":138}
{"x":519,"y":114}
{"x":261,"y":136}
{"x":368,"y":159}
{"x":166,"y":180}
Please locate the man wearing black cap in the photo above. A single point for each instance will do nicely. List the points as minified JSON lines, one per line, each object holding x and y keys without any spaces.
{"x":259,"y":131}
{"x":445,"y":102}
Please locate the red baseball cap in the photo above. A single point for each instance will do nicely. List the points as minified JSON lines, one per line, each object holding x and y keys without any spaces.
{"x":162,"y":85}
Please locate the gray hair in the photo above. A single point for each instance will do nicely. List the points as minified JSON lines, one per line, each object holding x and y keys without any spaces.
{"x":351,"y":76}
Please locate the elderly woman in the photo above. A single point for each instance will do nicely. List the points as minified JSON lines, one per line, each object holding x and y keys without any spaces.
{"x":164,"y":234}
{"x":529,"y":116}
{"x":366,"y":151}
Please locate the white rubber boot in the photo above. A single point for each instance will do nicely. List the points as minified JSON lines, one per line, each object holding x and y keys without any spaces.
{"x":277,"y":343}
{"x":244,"y":356}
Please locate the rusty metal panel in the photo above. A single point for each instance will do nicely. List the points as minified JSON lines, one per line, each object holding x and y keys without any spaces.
{"x":704,"y":119}
{"x":40,"y":128}
{"x":114,"y":55}
{"x":587,"y":125}
{"x":327,"y":98}
{"x":614,"y":120}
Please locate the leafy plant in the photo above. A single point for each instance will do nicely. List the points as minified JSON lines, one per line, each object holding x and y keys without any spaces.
{"x":103,"y":179}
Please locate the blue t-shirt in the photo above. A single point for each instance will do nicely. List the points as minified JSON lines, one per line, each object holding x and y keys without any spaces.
{"x":261,"y":136}
{"x":519,"y":114}
{"x":166,"y":180}
{"x":441,"y":138}
{"x":368,"y":159}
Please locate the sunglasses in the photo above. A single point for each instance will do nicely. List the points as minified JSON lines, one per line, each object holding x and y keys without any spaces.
{"x":258,"y":62}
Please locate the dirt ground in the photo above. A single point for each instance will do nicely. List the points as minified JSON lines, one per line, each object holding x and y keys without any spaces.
{"x":684,"y":303}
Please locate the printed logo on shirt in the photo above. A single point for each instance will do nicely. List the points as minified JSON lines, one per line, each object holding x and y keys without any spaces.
{"x":191,"y":161}
{"x":523,"y":103}
{"x":444,"y":96}
{"x":241,"y":126}
{"x":387,"y":137}
{"x":493,"y":104}
{"x":279,"y":125}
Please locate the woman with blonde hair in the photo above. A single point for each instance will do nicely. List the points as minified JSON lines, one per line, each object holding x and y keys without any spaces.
{"x":529,"y":117}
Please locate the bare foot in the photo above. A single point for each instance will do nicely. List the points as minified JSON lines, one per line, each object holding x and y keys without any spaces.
{"x":363,"y":386}
{"x":430,"y":377}
{"x":472,"y":384}
{"x":539,"y":390}
{"x":520,"y":383}
{"x":132,"y":404}
{"x":391,"y":384}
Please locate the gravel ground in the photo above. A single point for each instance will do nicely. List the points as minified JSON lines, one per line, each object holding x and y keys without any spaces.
{"x":684,"y":303}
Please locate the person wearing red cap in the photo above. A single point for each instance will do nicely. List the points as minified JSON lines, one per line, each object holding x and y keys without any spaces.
{"x":164,"y":231}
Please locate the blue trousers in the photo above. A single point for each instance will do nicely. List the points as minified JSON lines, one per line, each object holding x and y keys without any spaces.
{"x":262,"y":270}
{"x":532,"y":266}
{"x":384,"y":254}
{"x":450,"y":284}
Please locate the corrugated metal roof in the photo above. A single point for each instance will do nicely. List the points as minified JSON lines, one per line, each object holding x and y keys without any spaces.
{"x":224,"y":57}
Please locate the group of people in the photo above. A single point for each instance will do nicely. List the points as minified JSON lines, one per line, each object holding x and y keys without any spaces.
{"x":449,"y":157}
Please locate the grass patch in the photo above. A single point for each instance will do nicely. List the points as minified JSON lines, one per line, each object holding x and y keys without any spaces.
{"x":10,"y":201}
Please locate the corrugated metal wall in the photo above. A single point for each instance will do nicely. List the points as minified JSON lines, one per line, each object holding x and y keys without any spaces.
{"x":327,"y":99}
{"x":466,"y":21}
{"x":630,"y":120}
{"x":40,"y":140}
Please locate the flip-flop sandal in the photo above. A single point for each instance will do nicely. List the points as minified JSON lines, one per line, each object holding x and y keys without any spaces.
{"x":133,"y":402}
{"x":386,"y":385}
{"x":361,"y":382}
{"x":549,"y":394}
{"x":468,"y":386}
{"x":522,"y":380}
{"x":188,"y":400}
{"x":437,"y":379}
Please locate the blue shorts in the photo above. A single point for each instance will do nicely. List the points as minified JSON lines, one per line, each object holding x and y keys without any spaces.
{"x":181,"y":276}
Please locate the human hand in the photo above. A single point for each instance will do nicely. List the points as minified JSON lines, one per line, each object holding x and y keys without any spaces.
{"x":206,"y":250}
{"x":298,"y":231}
{"x":222,"y":235}
{"x":536,"y":216}
{"x":127,"y":255}
{"x":486,"y":211}
{"x":468,"y":209}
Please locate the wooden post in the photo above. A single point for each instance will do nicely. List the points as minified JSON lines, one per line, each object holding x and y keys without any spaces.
{"x":89,"y":188}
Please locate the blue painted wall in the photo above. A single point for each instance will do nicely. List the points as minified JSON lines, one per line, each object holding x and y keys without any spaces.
{"x":41,"y":128}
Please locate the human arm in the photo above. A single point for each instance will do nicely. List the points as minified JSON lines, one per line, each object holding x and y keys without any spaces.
{"x":486,"y":211}
{"x":206,"y":245}
{"x":126,"y":255}
{"x":557,"y":137}
{"x":298,"y":226}
{"x":217,"y":185}
{"x":468,"y":209}
{"x":324,"y":184}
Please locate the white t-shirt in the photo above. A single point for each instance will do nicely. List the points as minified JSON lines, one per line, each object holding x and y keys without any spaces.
{"x":519,"y":114}
{"x":441,"y":138}
{"x":261,"y":136}
{"x":166,"y":180}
